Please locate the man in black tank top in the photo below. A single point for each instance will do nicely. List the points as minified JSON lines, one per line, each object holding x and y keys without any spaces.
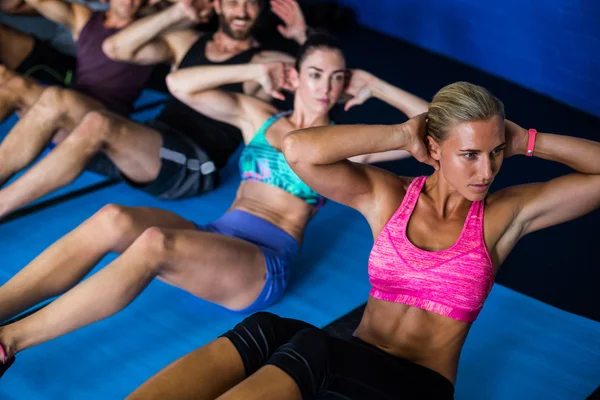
{"x":153,"y":40}
{"x":178,"y":154}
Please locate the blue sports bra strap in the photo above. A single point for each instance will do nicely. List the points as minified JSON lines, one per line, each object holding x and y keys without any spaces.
{"x":267,"y":124}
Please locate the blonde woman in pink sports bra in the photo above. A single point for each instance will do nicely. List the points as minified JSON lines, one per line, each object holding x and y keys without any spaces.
{"x":439,"y":241}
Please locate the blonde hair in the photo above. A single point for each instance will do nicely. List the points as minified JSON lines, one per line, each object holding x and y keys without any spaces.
{"x":460,"y":102}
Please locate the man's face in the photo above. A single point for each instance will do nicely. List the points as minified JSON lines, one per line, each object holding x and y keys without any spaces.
{"x":237,"y":18}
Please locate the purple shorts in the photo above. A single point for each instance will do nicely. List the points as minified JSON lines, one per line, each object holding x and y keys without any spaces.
{"x":278,"y":247}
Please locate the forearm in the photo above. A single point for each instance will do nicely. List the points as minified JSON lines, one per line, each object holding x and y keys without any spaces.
{"x":41,"y":4}
{"x":128,"y":41}
{"x":16,"y":7}
{"x":392,"y":155}
{"x":331,"y":144}
{"x":58,"y":11}
{"x":301,"y":37}
{"x":408,"y":103}
{"x":198,"y":79}
{"x":579,"y":154}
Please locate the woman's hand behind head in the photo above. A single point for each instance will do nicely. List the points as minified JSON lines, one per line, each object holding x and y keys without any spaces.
{"x":276,"y":77}
{"x":516,"y":139}
{"x":358,"y":88}
{"x":415,"y":130}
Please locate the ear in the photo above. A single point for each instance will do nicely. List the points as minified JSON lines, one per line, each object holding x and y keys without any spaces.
{"x":217,"y":5}
{"x":293,"y":78}
{"x":434,"y":148}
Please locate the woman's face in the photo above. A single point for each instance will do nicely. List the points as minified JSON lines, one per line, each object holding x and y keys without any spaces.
{"x":472,"y":155}
{"x":321,"y":80}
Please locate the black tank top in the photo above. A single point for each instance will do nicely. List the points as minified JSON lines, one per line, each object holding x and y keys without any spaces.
{"x":219,"y":140}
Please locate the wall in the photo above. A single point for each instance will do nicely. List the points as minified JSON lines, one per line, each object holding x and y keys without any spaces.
{"x":549,"y":46}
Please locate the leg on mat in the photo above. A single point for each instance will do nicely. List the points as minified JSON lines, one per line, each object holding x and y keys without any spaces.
{"x":56,"y":109}
{"x":268,"y":383}
{"x":134,"y":148}
{"x":298,"y":369}
{"x":17,"y":93}
{"x":218,"y":268}
{"x":217,"y":367}
{"x":203,"y":374}
{"x":15,"y":47}
{"x":65,"y":263}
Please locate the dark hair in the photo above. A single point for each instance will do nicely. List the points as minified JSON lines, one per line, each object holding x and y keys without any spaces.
{"x":314,"y":41}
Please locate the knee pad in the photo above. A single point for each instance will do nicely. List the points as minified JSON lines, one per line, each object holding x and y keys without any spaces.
{"x":258,"y":336}
{"x":305,"y":358}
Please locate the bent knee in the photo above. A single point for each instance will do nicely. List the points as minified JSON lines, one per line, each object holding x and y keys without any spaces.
{"x":262,"y":318}
{"x":97,"y":121}
{"x":51,"y":103}
{"x":305,"y":358}
{"x":94,"y":127}
{"x":258,"y":336}
{"x":273,"y":328}
{"x":115,"y":218}
{"x":59,"y":97}
{"x":5,"y":73}
{"x":157,"y":244}
{"x":22,"y":85}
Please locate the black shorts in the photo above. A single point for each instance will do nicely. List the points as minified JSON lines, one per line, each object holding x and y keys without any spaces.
{"x":326,"y":367}
{"x":186,"y":170}
{"x":102,"y":165}
{"x":48,"y":65}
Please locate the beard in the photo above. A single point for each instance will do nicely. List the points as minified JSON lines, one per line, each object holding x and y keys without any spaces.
{"x":235,"y":34}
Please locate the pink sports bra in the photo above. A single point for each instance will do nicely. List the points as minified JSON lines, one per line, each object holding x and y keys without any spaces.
{"x":454,"y":282}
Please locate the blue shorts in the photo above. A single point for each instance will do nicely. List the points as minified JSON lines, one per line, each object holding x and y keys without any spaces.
{"x":278,"y":247}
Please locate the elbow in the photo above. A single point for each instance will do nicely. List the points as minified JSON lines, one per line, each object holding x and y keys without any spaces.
{"x":362,"y":159}
{"x":418,"y":109}
{"x":290,"y":148}
{"x":112,"y":50}
{"x":176,"y":86}
{"x":298,"y":148}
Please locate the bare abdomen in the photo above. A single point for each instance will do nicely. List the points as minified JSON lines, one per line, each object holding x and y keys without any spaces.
{"x":431,"y":340}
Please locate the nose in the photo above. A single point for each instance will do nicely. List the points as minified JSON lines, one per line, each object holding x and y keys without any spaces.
{"x":487,"y":168}
{"x":241,"y":11}
{"x":324,"y":86}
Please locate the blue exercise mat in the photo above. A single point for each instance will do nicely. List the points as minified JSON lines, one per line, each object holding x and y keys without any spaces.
{"x":519,"y":348}
{"x":165,"y":323}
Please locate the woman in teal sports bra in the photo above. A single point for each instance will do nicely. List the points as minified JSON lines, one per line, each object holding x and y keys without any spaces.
{"x":241,"y":261}
{"x":261,"y":162}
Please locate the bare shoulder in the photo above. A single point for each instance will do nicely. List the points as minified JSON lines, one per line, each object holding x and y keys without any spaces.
{"x":501,"y":228}
{"x":81,"y":16}
{"x":179,"y":42}
{"x":388,"y":193}
{"x":505,"y":203}
{"x":257,"y":112}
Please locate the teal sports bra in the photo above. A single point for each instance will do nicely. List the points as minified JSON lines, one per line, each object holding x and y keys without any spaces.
{"x":261,"y":162}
